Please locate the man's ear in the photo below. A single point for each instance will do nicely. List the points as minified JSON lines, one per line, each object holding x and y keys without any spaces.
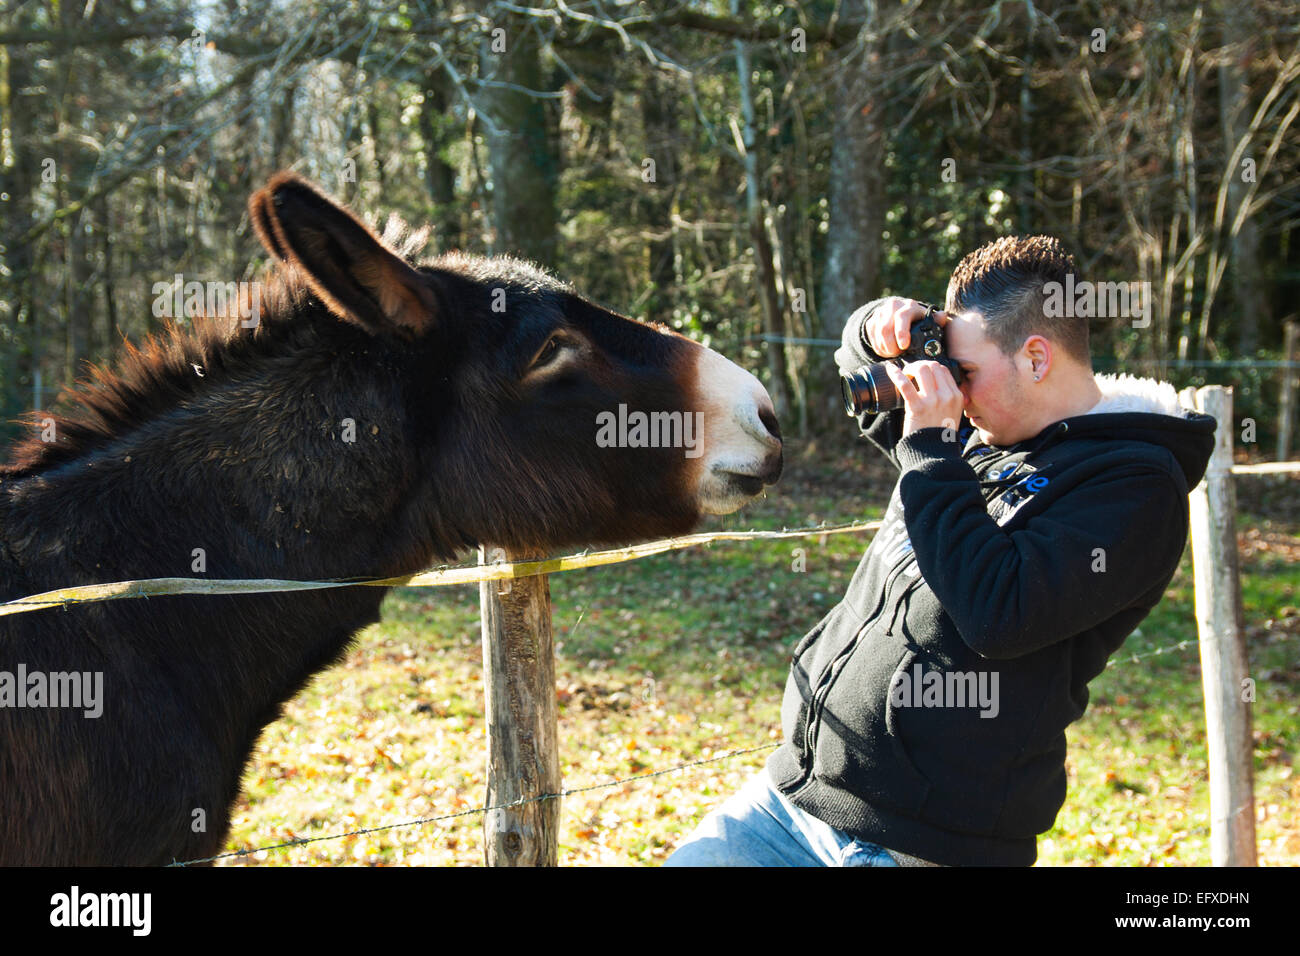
{"x":359,"y":278}
{"x":1038,"y":351}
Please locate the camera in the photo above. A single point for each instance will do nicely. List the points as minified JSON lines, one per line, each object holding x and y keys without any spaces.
{"x":870,"y":389}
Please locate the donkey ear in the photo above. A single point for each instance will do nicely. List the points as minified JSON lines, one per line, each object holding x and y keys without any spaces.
{"x":261,"y":219}
{"x":349,"y":268}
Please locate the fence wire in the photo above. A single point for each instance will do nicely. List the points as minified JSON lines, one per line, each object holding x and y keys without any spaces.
{"x":441,"y":577}
{"x":523,"y":801}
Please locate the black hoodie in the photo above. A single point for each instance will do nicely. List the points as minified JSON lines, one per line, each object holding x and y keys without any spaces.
{"x":927,"y":711}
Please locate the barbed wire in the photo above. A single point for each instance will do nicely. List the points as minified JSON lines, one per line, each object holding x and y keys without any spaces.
{"x":515,"y":804}
{"x":1180,"y":646}
{"x":1134,"y":658}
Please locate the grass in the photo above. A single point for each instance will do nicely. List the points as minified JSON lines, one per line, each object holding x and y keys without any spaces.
{"x":683,"y":657}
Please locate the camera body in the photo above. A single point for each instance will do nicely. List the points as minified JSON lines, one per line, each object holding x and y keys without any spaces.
{"x":870,"y":389}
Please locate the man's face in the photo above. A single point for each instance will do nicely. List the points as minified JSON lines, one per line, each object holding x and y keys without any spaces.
{"x":996,"y":397}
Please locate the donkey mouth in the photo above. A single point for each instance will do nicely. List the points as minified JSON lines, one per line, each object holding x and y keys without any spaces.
{"x":727,"y":489}
{"x":751,"y":483}
{"x":748,"y":485}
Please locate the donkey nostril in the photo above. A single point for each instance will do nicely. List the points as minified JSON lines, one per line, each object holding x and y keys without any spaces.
{"x":768,"y":417}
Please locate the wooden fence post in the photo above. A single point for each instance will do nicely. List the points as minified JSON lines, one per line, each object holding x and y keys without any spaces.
{"x":523,"y":739}
{"x":1222,"y":642}
{"x":1286,"y":417}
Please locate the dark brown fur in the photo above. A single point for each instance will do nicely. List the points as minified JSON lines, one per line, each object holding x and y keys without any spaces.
{"x":229,"y":440}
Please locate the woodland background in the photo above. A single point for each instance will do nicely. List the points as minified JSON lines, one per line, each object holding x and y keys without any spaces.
{"x":742,"y":171}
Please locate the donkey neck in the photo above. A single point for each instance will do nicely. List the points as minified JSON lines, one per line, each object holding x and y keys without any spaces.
{"x":297,"y":465}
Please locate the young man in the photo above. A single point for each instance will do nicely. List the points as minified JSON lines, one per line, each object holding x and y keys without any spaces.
{"x":1039,"y":515}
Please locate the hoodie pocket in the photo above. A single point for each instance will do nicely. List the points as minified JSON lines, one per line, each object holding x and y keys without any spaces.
{"x":1036,"y":780}
{"x":948,"y":747}
{"x":798,"y":689}
{"x":979,"y":731}
{"x":858,"y":749}
{"x":892,"y":720}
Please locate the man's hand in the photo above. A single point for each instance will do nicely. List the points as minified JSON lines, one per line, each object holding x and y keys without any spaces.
{"x":934,"y":401}
{"x":889,"y":330}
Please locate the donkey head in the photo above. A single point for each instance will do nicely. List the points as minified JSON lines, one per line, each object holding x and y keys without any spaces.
{"x":537,"y":419}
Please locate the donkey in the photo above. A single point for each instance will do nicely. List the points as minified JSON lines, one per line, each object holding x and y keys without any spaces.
{"x":380,"y":415}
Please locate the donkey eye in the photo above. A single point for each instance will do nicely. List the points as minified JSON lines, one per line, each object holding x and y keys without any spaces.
{"x":548,"y":352}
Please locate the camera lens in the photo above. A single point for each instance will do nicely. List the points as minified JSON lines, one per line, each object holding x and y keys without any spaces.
{"x":869,"y":389}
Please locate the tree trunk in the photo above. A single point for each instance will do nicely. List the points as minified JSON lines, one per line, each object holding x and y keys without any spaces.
{"x":857,"y":199}
{"x":105,"y":346}
{"x":18,"y":163}
{"x":282,"y":115}
{"x":773,"y":324}
{"x":659,"y":114}
{"x":440,"y":178}
{"x":521,"y":152}
{"x":1235,"y":111}
{"x":1026,"y":180}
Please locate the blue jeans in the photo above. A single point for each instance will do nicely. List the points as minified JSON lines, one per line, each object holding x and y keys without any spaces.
{"x":758,"y":826}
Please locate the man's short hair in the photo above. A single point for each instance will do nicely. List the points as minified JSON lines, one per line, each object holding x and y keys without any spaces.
{"x":1004,"y":281}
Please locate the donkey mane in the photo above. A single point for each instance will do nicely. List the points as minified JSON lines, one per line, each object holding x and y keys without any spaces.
{"x":173,"y":365}
{"x":177,"y":363}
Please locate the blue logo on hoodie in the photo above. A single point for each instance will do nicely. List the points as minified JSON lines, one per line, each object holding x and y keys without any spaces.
{"x":1021,"y":491}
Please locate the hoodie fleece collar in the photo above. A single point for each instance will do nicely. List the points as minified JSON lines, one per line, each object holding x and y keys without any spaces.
{"x":1129,"y":393}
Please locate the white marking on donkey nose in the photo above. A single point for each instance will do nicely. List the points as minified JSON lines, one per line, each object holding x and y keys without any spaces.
{"x":742,"y":441}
